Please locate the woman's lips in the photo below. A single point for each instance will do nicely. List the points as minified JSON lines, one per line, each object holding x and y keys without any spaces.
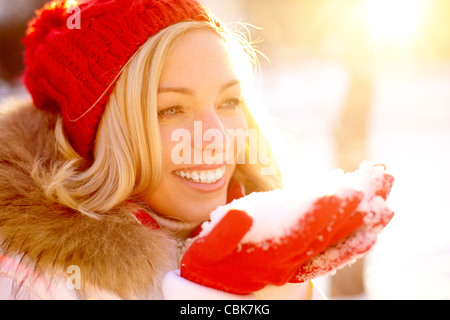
{"x":204,"y":178}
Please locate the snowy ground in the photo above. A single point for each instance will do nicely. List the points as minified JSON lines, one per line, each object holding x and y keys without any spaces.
{"x":409,"y":131}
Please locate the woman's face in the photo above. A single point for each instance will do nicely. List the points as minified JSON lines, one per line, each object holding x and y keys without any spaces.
{"x":199,"y":102}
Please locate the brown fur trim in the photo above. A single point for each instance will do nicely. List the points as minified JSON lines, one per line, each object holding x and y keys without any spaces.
{"x":115,"y":253}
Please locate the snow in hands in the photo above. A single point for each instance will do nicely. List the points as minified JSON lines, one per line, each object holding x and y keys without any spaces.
{"x":275,"y":212}
{"x":290,"y":235}
{"x":377,"y":185}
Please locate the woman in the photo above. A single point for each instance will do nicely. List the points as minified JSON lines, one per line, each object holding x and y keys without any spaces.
{"x":119,"y":164}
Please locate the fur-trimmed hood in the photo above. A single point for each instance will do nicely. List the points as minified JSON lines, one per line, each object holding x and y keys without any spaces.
{"x":115,"y":254}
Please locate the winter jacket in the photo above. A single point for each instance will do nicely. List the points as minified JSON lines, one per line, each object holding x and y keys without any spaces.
{"x":49,"y":251}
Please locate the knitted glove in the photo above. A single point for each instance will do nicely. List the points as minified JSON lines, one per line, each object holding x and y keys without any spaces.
{"x":348,"y":249}
{"x":241,"y":254}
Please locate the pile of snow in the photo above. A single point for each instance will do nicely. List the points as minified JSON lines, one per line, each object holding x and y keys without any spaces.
{"x":274,"y":213}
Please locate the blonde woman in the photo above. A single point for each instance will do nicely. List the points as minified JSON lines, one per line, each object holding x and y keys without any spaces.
{"x":131,"y":141}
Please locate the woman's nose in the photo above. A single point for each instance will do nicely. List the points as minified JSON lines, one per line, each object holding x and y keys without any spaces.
{"x":207,"y":129}
{"x":209,"y":138}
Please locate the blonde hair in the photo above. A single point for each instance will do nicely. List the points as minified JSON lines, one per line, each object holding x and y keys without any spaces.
{"x":127,"y":152}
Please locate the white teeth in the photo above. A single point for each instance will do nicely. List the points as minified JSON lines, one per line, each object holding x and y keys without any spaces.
{"x":202,"y":176}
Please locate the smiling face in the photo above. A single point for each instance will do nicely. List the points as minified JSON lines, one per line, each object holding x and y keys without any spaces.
{"x":199,"y":94}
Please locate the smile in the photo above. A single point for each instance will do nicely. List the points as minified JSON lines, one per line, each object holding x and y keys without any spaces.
{"x":202,"y":176}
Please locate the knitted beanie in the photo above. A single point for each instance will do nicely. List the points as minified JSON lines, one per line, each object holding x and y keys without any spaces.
{"x":73,"y":70}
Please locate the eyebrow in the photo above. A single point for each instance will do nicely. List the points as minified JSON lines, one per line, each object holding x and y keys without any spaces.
{"x":190,"y":92}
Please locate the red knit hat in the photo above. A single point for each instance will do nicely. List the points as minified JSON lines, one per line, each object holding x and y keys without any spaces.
{"x":73,"y":70}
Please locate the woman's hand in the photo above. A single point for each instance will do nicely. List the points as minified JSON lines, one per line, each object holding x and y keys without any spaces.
{"x":318,"y":240}
{"x":348,"y":249}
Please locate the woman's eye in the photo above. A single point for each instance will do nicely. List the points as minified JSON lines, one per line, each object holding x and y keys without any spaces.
{"x":171,"y":111}
{"x":231,"y":103}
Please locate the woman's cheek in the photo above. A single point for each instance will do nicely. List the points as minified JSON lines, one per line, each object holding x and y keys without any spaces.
{"x":237,"y":135}
{"x":175,"y":142}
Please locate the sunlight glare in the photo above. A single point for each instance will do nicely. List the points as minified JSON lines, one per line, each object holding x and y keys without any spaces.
{"x":394,"y":21}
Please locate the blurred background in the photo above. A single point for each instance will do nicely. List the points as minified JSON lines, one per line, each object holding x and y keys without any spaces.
{"x":347,"y":81}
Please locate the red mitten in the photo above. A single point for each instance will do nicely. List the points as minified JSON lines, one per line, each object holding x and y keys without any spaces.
{"x":224,"y":260}
{"x":348,"y":249}
{"x":273,"y":238}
